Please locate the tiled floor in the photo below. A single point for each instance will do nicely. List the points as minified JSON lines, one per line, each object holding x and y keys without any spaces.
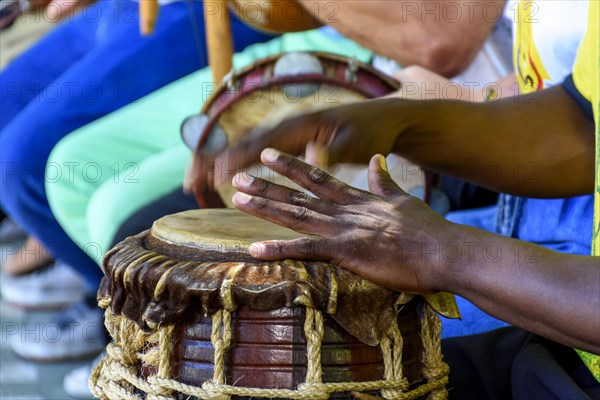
{"x":20,"y":379}
{"x":24,"y":380}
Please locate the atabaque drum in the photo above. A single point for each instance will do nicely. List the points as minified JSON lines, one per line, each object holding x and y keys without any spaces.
{"x":276,"y":88}
{"x":193,"y":315}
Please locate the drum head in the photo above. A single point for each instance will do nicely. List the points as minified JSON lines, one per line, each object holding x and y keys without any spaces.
{"x":214,"y":235}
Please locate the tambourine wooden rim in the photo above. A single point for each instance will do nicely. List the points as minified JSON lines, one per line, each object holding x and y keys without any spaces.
{"x":347,"y":73}
{"x":253,"y":78}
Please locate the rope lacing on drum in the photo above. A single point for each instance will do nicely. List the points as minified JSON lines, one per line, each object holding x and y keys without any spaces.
{"x":117,"y":375}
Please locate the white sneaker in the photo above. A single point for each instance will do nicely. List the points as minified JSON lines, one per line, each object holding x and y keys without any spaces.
{"x":75,"y":383}
{"x":75,"y":333}
{"x":49,"y":288}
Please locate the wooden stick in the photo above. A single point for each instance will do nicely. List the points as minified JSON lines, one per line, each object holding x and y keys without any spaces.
{"x":218,"y":38}
{"x":148,"y":16}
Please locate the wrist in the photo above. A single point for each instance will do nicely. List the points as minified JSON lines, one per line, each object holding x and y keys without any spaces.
{"x":449,"y":265}
{"x":407,"y":119}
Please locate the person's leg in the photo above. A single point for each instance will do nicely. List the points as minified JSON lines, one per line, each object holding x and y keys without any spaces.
{"x":24,"y":33}
{"x":141,"y":131}
{"x":31,"y":256}
{"x":545,"y":370}
{"x":156,"y":178}
{"x":142,"y":219}
{"x":121,"y":68}
{"x":511,"y":363}
{"x":112,"y":150}
{"x":480,"y":365}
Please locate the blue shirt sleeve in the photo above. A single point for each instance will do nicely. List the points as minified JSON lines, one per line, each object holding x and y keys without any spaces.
{"x":585,"y":104}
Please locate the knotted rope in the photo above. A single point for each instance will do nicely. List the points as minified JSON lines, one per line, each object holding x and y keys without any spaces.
{"x":117,"y":375}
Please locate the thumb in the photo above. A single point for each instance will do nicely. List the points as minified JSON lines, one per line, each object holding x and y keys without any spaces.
{"x":380,"y":181}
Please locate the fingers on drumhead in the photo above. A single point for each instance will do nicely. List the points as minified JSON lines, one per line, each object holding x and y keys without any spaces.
{"x":272,"y":191}
{"x":315,"y":179}
{"x":298,"y":218}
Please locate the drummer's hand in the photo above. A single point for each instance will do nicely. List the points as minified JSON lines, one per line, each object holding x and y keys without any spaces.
{"x":350,"y":133}
{"x":387,"y":236}
{"x":419,"y":83}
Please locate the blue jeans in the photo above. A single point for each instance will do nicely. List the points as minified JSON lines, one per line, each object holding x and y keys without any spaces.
{"x":511,"y":363}
{"x":85,"y":68}
{"x":563,"y":225}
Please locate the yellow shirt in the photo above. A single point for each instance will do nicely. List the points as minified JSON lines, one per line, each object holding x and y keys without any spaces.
{"x":545,"y":41}
{"x":586,"y":78}
{"x":533,"y":75}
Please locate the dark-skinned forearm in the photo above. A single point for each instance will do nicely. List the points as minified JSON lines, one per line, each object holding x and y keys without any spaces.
{"x":552,"y":294}
{"x":539,"y":145}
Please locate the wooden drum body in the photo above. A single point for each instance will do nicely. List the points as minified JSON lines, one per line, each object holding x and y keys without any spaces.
{"x":191,"y":313}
